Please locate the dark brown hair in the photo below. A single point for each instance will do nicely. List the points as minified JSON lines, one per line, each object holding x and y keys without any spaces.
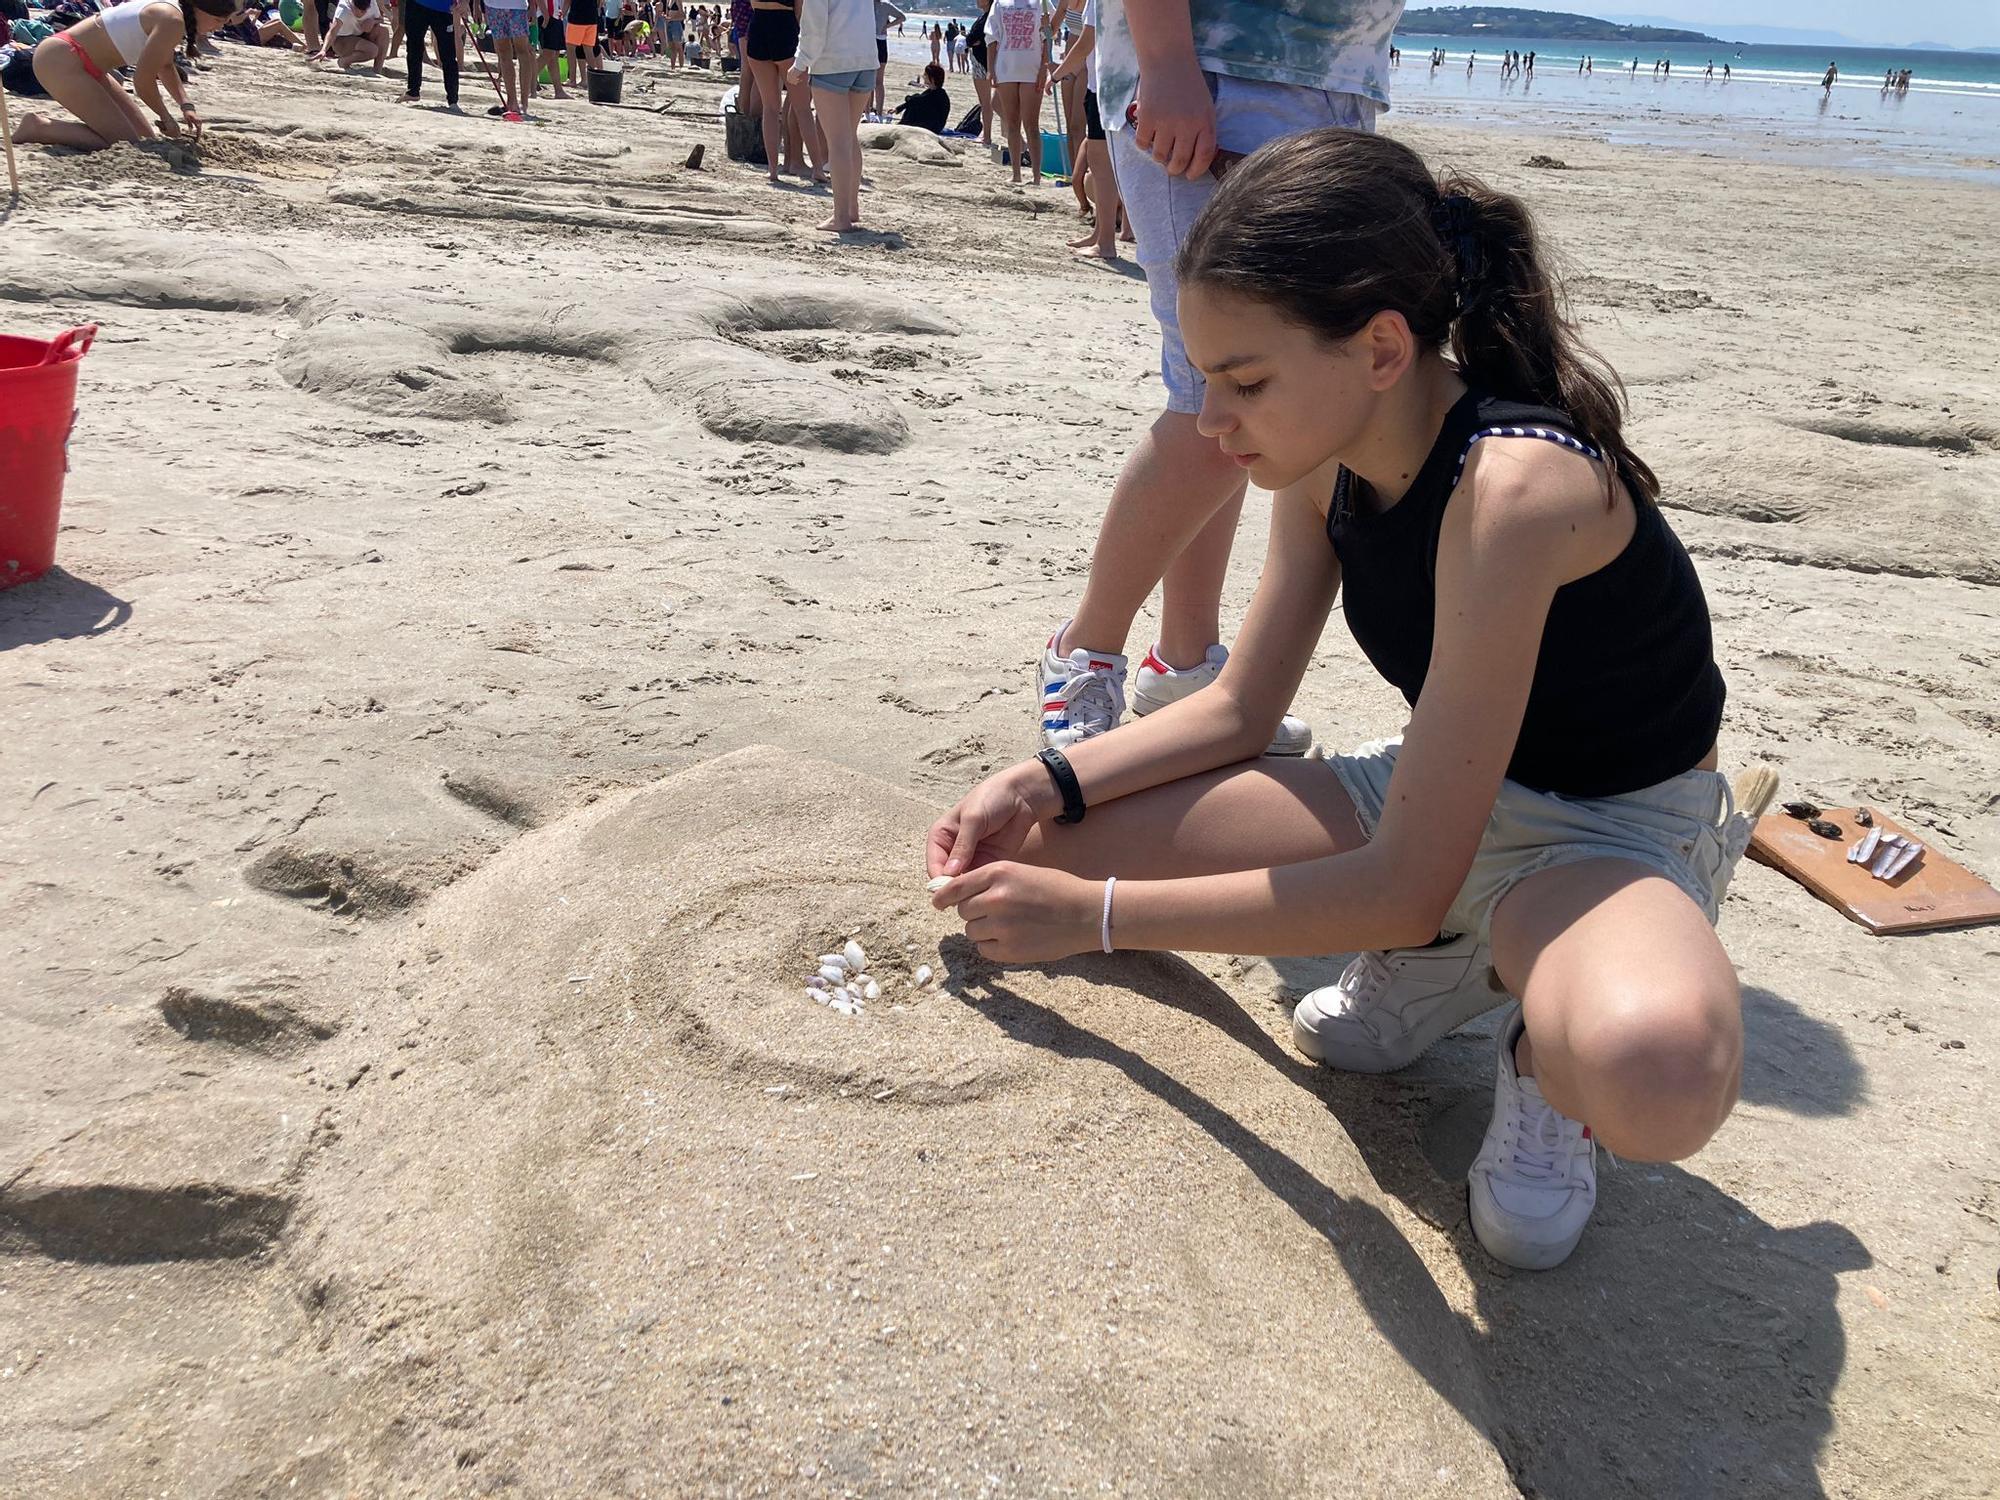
{"x":934,"y":75}
{"x":1334,"y":226}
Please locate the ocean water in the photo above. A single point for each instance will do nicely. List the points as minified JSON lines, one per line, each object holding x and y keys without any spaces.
{"x":1771,"y":105}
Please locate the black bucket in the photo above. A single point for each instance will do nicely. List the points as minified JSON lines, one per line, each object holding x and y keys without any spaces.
{"x":606,"y":85}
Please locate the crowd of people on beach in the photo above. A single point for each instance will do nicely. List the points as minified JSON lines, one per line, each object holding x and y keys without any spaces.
{"x":809,"y":73}
{"x":1380,"y":347}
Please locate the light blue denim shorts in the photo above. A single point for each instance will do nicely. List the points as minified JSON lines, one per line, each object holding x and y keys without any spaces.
{"x":1248,"y":112}
{"x":1686,"y":828}
{"x":860,"y":82}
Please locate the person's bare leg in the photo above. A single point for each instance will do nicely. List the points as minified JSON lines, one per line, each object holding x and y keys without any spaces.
{"x":832,"y":107}
{"x":1174,"y":484}
{"x":1634,"y":1019}
{"x":812,"y":135}
{"x":984,"y":87}
{"x":857,"y":106}
{"x":771,"y":96}
{"x":1191,"y":591}
{"x":1252,"y":816}
{"x":1105,"y":203}
{"x":98,"y":105}
{"x":1031,"y":126}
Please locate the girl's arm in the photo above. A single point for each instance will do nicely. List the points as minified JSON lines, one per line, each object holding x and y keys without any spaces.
{"x":156,"y":66}
{"x":1229,"y":721}
{"x":1519,"y":527}
{"x":1075,"y":55}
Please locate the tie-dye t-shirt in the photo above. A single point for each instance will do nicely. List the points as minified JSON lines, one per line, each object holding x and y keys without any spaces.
{"x":1341,"y":46}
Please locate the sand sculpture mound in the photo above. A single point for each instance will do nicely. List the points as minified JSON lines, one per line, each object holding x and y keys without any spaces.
{"x":630,"y":1214}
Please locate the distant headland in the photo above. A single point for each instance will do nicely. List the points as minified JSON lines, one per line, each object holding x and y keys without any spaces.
{"x":1506,"y":20}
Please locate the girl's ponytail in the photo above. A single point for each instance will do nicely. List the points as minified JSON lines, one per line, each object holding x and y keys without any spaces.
{"x":1513,"y":335}
{"x":1333,"y":226}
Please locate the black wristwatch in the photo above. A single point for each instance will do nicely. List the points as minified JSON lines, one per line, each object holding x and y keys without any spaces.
{"x":1065,"y":780}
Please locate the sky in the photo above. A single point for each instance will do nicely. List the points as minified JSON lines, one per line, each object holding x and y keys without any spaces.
{"x":1959,"y":23}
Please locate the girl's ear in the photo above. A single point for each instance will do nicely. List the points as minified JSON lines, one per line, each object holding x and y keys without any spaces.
{"x":1391,"y":349}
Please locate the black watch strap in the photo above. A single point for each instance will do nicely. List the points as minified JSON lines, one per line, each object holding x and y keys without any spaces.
{"x":1066,"y":785}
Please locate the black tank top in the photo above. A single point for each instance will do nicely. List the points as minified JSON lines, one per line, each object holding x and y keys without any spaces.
{"x":1626,"y":692}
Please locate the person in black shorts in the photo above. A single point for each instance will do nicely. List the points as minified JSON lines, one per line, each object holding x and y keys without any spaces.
{"x":1102,"y":242}
{"x":772,"y":43}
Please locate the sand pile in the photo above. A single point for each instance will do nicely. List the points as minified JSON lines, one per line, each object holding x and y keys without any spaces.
{"x":622,"y":1202}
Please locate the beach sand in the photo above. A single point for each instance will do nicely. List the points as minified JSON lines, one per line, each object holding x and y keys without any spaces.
{"x":520,"y":599}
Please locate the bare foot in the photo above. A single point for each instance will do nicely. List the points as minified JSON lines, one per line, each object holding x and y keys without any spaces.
{"x":26,"y":129}
{"x":1095,"y":251}
{"x":774,"y":180}
{"x":1088,"y":239}
{"x":837,"y":225}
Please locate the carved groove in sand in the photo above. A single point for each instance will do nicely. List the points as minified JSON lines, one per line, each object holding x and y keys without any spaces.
{"x":917,"y":1044}
{"x":637,"y":210}
{"x":405,"y":356}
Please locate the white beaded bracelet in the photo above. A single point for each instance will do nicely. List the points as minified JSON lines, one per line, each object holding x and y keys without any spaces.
{"x":1104,"y":929}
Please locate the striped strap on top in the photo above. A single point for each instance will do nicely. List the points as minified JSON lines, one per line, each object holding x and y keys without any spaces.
{"x":1546,"y":434}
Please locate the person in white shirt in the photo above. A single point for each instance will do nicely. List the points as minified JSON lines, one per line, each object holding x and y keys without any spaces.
{"x":837,"y":53}
{"x":1014,"y":57}
{"x":357,"y":36}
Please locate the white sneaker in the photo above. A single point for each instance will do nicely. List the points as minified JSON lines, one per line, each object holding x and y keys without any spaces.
{"x":1081,"y":694}
{"x":1159,"y":684}
{"x":1387,"y":1009}
{"x":1534,"y":1182}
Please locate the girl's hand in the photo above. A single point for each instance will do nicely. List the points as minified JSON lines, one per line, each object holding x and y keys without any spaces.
{"x":991,"y":822}
{"x":1176,"y":124}
{"x":1025,"y":914}
{"x":795,"y":79}
{"x":192,"y":120}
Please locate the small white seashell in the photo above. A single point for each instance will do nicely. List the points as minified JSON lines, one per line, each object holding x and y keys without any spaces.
{"x":836,"y":960}
{"x":939,"y":884}
{"x":872,"y":990}
{"x":818,"y":995}
{"x":856,"y":959}
{"x":817,"y":982}
{"x":923,"y":975}
{"x":832,"y":975}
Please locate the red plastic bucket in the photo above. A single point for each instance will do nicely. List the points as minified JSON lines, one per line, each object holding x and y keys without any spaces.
{"x":37,"y":410}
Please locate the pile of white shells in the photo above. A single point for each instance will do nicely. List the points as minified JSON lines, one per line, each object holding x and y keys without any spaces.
{"x":843,"y":981}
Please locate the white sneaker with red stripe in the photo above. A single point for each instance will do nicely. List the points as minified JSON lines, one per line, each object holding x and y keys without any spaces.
{"x":1159,"y":684}
{"x":1534,"y":1182}
{"x":1081,"y":694}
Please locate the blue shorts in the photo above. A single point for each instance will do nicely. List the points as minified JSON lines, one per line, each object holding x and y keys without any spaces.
{"x":1248,"y":112}
{"x":507,"y":22}
{"x":861,"y":81}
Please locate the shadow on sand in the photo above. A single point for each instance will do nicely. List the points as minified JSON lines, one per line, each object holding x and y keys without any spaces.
{"x":1688,"y":1348}
{"x":58,"y":606}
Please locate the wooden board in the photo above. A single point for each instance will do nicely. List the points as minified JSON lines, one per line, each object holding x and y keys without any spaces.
{"x":1934,"y":892}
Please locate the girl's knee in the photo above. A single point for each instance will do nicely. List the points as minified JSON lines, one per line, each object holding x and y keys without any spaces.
{"x":1660,"y":1070}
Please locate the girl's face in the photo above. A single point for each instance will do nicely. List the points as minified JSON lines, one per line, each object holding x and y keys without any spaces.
{"x":1281,"y":400}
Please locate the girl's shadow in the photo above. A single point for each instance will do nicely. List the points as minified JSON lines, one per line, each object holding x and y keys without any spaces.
{"x":1681,"y":1309}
